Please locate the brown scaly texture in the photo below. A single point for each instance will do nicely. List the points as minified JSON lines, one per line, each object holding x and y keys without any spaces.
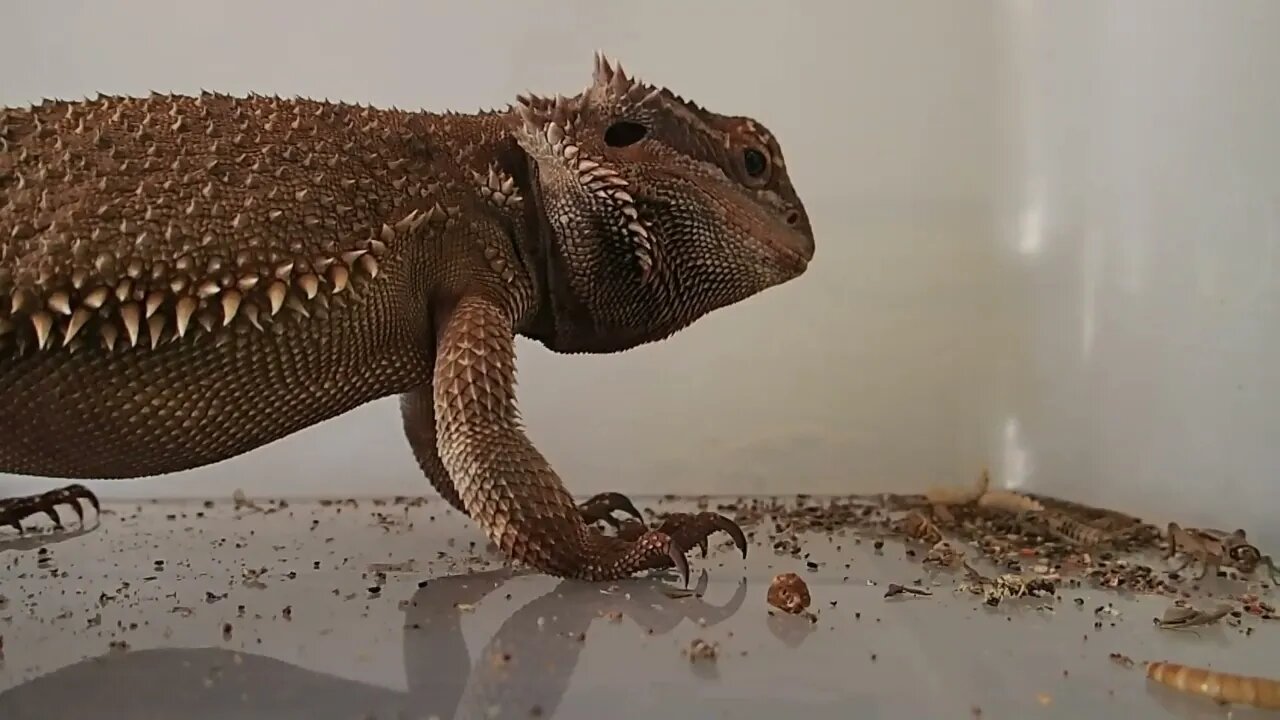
{"x":185,"y":279}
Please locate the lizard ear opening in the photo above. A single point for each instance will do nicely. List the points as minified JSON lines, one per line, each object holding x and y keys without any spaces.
{"x":624,"y":133}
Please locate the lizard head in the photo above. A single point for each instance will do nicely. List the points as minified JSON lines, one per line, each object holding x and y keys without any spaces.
{"x":654,"y":211}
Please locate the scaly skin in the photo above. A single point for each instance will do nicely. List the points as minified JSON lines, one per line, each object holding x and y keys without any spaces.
{"x":186,"y":279}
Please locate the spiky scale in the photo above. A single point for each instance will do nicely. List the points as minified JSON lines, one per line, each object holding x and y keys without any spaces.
{"x":42,"y":322}
{"x":310,"y":285}
{"x":182,"y":312}
{"x":131,"y":316}
{"x":95,"y":298}
{"x":230,"y":305}
{"x":338,"y":276}
{"x":78,"y":319}
{"x":60,"y":302}
{"x":155,"y":328}
{"x":276,"y":293}
{"x":207,"y":289}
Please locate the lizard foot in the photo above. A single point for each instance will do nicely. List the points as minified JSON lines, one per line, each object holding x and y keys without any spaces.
{"x":16,"y":509}
{"x":662,"y":547}
{"x":681,"y":532}
{"x":689,"y":529}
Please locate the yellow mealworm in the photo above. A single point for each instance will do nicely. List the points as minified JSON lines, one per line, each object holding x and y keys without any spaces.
{"x":951,"y":495}
{"x":1222,"y":687}
{"x":1009,"y":501}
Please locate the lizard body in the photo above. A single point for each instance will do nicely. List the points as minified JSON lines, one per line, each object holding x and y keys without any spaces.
{"x":186,"y":279}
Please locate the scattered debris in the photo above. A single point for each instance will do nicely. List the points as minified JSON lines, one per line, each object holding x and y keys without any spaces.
{"x":1122,"y":660}
{"x":700,"y":649}
{"x":1212,"y":548}
{"x":942,"y":554}
{"x":1185,"y":616}
{"x":241,"y":502}
{"x":895,"y":589}
{"x":1254,"y":605}
{"x":253,"y":578}
{"x":1007,"y":585}
{"x":405,"y":566}
{"x":917,"y":526}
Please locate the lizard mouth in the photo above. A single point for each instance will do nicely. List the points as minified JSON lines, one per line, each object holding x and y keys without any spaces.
{"x":792,"y":244}
{"x":795,"y":258}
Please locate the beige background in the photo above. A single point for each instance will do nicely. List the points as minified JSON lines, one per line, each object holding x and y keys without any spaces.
{"x":1047,"y":235}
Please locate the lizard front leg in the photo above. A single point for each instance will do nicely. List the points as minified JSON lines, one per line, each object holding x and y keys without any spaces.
{"x":418,"y":413}
{"x":506,"y":485}
{"x":14,"y":510}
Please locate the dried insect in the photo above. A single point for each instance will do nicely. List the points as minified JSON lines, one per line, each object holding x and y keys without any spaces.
{"x":953,"y":495}
{"x":896,"y":589}
{"x":918,"y":527}
{"x":1073,"y":530}
{"x":1016,"y":586}
{"x":1122,"y":660}
{"x":701,"y":649}
{"x":1224,"y":688}
{"x":1103,"y":518}
{"x":943,"y":554}
{"x":1214,"y":547}
{"x":1185,"y":616}
{"x":1010,"y":502}
{"x":14,"y":510}
{"x":1009,"y":585}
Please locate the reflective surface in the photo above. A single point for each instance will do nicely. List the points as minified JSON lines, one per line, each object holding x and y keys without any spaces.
{"x":270,"y":615}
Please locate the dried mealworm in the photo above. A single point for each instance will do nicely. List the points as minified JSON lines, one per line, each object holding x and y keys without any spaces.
{"x":1225,"y":688}
{"x":1009,"y":501}
{"x":952,"y":495}
{"x":1076,"y":531}
{"x":896,"y":589}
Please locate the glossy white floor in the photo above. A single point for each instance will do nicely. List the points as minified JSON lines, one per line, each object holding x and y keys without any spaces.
{"x":247,"y":615}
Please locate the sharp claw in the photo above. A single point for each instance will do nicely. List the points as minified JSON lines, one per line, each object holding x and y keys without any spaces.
{"x":624,"y":504}
{"x":680,"y":561}
{"x":603,"y":505}
{"x":735,"y":532}
{"x":14,"y":510}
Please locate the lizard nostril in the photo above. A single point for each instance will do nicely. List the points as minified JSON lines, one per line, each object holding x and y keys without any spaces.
{"x":793,"y":217}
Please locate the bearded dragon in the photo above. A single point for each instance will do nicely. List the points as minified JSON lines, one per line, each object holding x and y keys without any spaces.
{"x":184,"y":279}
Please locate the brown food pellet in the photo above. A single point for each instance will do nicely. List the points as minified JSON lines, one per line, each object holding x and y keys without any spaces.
{"x":789,"y":593}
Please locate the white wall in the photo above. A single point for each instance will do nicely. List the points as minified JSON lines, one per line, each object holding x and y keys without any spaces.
{"x":1047,"y":235}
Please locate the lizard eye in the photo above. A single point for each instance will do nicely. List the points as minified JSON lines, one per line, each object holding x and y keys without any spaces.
{"x":754,"y":162}
{"x":624,"y":133}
